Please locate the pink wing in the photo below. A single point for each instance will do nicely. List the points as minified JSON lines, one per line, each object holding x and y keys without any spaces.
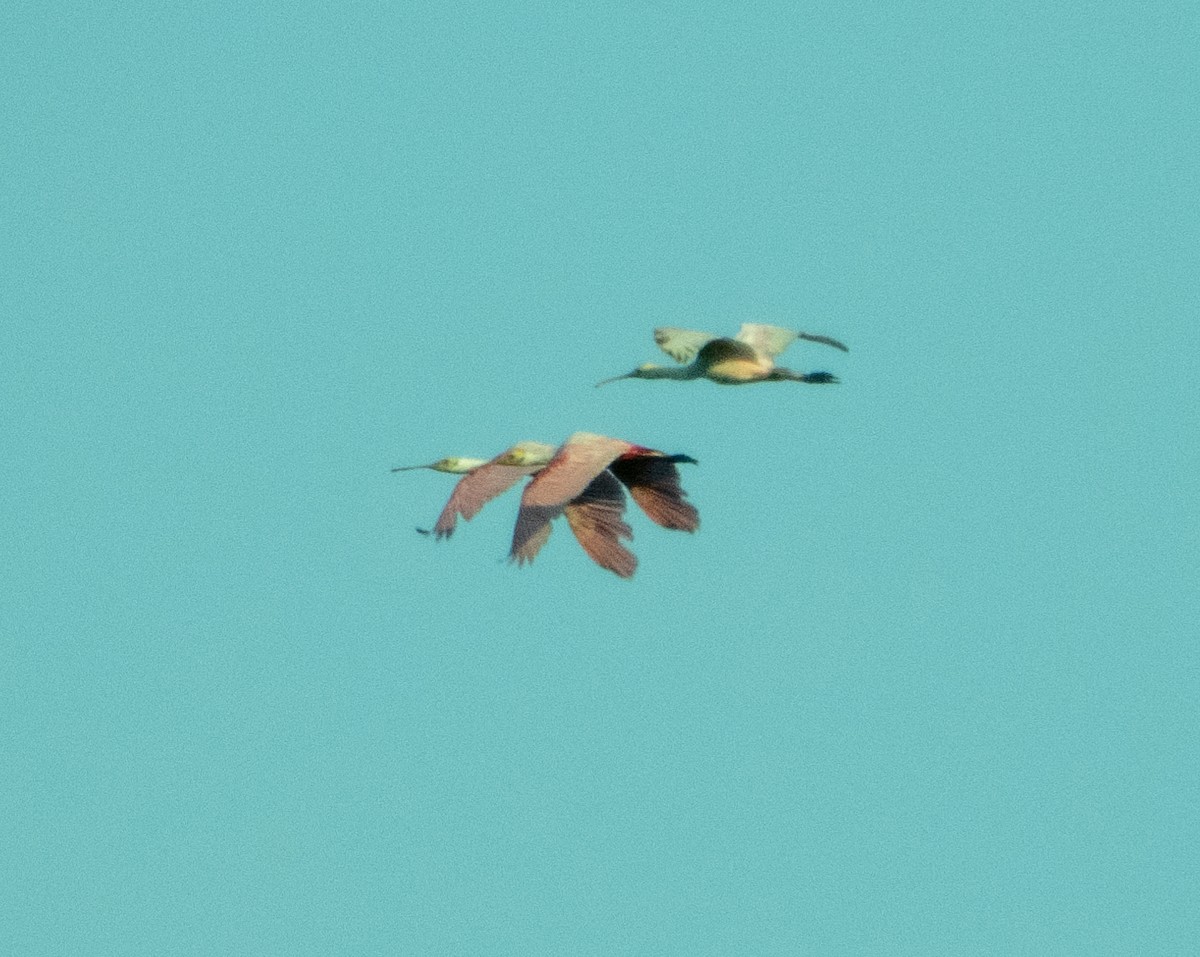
{"x":531,"y":544}
{"x":475,"y":490}
{"x":653,"y":481}
{"x":595,"y":518}
{"x":580,"y":459}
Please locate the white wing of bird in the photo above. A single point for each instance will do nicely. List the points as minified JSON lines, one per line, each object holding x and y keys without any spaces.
{"x":681,"y":344}
{"x":772,"y":340}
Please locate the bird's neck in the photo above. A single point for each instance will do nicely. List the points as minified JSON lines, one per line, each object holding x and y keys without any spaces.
{"x":671,"y":372}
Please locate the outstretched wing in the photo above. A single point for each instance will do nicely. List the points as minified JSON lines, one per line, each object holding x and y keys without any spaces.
{"x":595,"y":518}
{"x":577,"y":462}
{"x":681,"y":344}
{"x":769,"y":340}
{"x":475,"y":490}
{"x":531,"y":541}
{"x":772,"y":340}
{"x":653,"y":481}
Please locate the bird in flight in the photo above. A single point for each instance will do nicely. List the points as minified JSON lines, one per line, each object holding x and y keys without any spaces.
{"x":577,"y":467}
{"x":747,"y":357}
{"x":583,"y":479}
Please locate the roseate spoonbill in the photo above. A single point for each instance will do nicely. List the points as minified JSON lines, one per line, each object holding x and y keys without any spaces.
{"x":502,"y":472}
{"x":574,"y":471}
{"x":594,"y":514}
{"x":455,"y":465}
{"x":747,"y":357}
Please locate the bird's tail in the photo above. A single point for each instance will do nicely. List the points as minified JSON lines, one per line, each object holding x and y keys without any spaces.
{"x":827,"y":340}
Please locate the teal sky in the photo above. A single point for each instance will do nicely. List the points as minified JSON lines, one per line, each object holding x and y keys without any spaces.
{"x":925,"y":682}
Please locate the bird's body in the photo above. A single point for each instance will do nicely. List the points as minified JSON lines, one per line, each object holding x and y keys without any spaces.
{"x":729,"y":362}
{"x":585,"y":485}
{"x":747,"y":357}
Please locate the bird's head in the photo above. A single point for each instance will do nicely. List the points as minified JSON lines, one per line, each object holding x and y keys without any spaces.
{"x":456,"y":466}
{"x":526,"y":454}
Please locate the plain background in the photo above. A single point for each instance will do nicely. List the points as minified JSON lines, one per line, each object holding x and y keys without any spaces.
{"x":925,"y":681}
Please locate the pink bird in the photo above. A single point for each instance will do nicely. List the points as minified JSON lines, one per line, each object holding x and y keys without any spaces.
{"x":593,"y":510}
{"x":582,"y":462}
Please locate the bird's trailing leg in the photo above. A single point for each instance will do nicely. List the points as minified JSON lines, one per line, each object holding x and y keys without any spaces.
{"x":790,"y":375}
{"x":827,"y":340}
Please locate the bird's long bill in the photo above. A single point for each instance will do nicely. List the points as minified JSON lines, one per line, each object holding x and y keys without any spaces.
{"x":410,"y":468}
{"x":613,"y":379}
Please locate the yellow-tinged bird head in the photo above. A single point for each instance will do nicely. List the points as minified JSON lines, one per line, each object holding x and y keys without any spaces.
{"x":456,"y":466}
{"x":526,"y":454}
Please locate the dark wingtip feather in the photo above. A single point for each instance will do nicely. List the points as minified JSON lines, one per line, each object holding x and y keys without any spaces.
{"x":826,"y":340}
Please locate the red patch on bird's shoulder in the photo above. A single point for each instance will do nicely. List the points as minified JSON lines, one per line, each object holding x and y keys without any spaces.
{"x":637,"y":452}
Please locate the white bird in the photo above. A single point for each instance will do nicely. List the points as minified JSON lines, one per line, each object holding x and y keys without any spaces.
{"x":747,"y":357}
